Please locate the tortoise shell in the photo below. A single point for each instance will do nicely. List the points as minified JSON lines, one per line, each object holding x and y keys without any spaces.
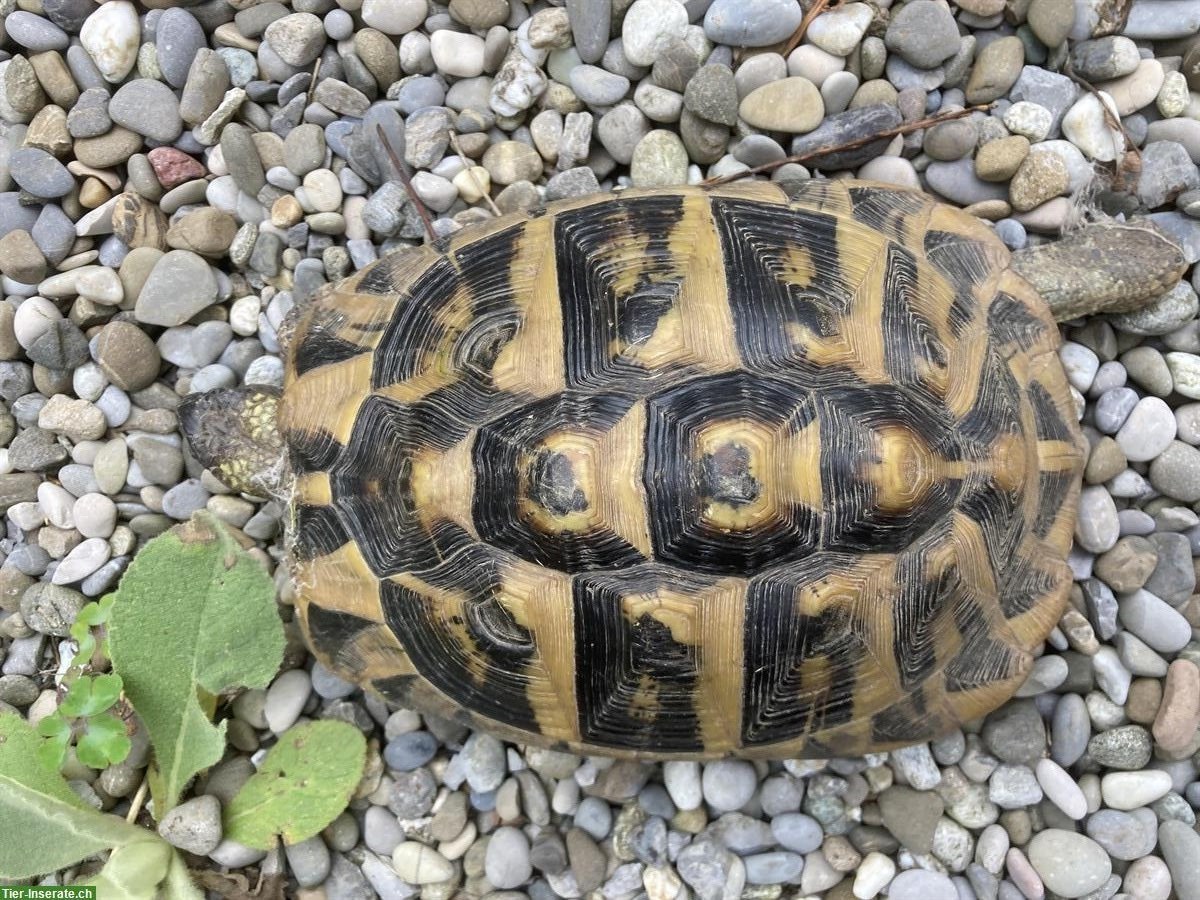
{"x":687,"y":473}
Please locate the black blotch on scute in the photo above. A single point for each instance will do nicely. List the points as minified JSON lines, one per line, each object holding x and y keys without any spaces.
{"x":905,"y":720}
{"x":372,"y":490}
{"x":552,"y":484}
{"x":642,"y":309}
{"x":777,"y":704}
{"x":758,"y":241}
{"x":634,"y":683}
{"x":321,"y":347}
{"x":725,"y":476}
{"x":330,"y":629}
{"x":982,"y":659}
{"x":681,"y":484}
{"x":1054,"y":489}
{"x":505,"y":482}
{"x":1050,"y":424}
{"x":595,"y":316}
{"x":414,"y":330}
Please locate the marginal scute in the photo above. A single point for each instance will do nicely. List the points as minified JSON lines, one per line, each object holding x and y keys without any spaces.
{"x":686,"y":473}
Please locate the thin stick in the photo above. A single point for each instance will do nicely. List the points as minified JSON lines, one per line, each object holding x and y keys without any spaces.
{"x":470,"y":170}
{"x":1110,"y":120}
{"x":139,"y":798}
{"x":312,"y":85}
{"x":412,"y":195}
{"x":813,"y":11}
{"x":825,"y":150}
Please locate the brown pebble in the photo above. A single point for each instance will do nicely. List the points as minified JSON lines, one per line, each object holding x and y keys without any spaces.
{"x":127,"y":356}
{"x":20,"y":258}
{"x":1145,"y":696}
{"x":1179,"y":715}
{"x":55,"y":78}
{"x":1040,"y":177}
{"x":1106,"y":461}
{"x":206,"y":231}
{"x":48,"y":131}
{"x":999,"y":160}
{"x":286,"y":212}
{"x":110,"y":149}
{"x":93,"y":193}
{"x":1128,"y":564}
{"x":138,"y":222}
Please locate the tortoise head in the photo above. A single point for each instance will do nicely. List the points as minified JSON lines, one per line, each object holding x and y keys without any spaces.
{"x":234,"y":433}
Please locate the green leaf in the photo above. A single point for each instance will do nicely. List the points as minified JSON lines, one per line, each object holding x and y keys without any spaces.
{"x":103,"y":742}
{"x":304,"y":783}
{"x":46,"y":826}
{"x":93,"y":615}
{"x":57,"y":731}
{"x":90,"y":695}
{"x":195,"y":615}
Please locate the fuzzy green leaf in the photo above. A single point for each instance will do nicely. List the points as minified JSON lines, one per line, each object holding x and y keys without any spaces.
{"x":46,"y":826}
{"x":103,"y":742}
{"x":194,"y":616}
{"x":304,"y":783}
{"x":91,"y":695}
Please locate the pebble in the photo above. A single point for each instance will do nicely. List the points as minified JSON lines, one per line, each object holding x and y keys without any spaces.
{"x":749,"y":23}
{"x":1129,"y":790}
{"x":416,"y":863}
{"x":728,"y":784}
{"x":194,"y":825}
{"x":286,"y":698}
{"x":919,"y":884}
{"x":924,"y":33}
{"x":110,"y":36}
{"x":792,"y":105}
{"x":874,"y":874}
{"x":1147,"y":431}
{"x":507,"y":862}
{"x":180,"y":285}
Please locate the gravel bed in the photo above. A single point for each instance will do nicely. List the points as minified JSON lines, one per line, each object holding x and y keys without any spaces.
{"x":174,"y":177}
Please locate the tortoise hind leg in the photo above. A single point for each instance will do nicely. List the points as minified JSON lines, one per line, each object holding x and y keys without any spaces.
{"x":234,"y":433}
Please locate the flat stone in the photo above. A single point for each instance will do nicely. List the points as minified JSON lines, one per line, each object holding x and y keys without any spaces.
{"x":792,"y":105}
{"x":180,"y":285}
{"x":751,"y":23}
{"x":1069,"y":864}
{"x":147,"y":107}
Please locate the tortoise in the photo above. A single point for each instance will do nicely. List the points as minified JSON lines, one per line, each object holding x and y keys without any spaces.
{"x":679,"y":473}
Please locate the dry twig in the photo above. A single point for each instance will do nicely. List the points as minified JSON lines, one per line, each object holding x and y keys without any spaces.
{"x":825,"y":150}
{"x":470,"y":170}
{"x":1114,"y":123}
{"x":404,"y":179}
{"x":818,"y":7}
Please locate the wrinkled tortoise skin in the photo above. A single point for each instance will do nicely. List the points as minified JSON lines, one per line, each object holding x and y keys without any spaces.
{"x":687,"y":473}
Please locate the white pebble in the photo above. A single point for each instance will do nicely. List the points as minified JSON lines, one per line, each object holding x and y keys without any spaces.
{"x":33,"y":318}
{"x":1061,"y":788}
{"x":1129,"y":790}
{"x":81,"y":562}
{"x":56,"y":503}
{"x":95,"y":515}
{"x":874,"y":874}
{"x":286,"y":698}
{"x":111,"y":36}
{"x":99,"y":284}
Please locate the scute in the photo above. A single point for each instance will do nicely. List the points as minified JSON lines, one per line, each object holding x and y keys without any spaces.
{"x":687,"y":473}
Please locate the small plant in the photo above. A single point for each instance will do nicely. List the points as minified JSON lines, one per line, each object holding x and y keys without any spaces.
{"x":86,"y":716}
{"x":92,"y":618}
{"x":193,"y":621}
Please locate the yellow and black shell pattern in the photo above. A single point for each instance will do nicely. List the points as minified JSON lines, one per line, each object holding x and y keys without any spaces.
{"x":687,"y":473}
